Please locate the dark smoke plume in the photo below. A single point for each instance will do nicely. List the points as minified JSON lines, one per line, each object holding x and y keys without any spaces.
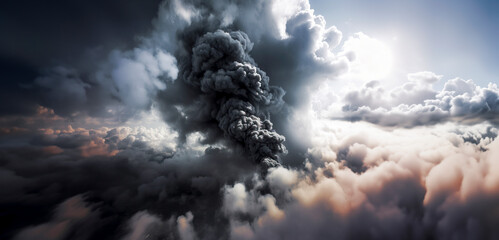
{"x":236,"y":92}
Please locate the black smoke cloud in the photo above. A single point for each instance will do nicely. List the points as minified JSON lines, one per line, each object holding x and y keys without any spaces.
{"x":234,"y":92}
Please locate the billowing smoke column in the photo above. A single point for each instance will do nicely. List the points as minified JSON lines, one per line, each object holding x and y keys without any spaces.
{"x":220,"y":66}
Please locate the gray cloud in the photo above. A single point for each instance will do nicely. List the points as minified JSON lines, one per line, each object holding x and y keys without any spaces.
{"x":120,"y":172}
{"x":73,"y":218}
{"x":119,"y":83}
{"x":74,"y":35}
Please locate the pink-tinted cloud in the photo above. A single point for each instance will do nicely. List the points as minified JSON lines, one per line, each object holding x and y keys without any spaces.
{"x":415,"y":183}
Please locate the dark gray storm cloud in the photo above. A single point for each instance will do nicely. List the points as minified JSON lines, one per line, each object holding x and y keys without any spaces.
{"x":41,"y":35}
{"x":116,"y":173}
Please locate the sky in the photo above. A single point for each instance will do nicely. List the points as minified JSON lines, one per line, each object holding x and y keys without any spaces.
{"x":223,"y":119}
{"x":453,"y":38}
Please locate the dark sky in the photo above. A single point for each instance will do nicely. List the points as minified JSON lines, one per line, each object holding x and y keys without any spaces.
{"x":41,"y":34}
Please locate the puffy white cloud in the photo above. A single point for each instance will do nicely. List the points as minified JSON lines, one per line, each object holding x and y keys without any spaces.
{"x":134,"y":77}
{"x":416,"y":103}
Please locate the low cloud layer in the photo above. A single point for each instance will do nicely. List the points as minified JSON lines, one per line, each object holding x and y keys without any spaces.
{"x":116,"y":173}
{"x":429,"y":182}
{"x":375,"y":184}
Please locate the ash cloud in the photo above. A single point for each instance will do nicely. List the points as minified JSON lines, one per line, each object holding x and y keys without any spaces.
{"x":235,"y":93}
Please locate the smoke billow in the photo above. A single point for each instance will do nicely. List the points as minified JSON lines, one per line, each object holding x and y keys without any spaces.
{"x":238,"y":92}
